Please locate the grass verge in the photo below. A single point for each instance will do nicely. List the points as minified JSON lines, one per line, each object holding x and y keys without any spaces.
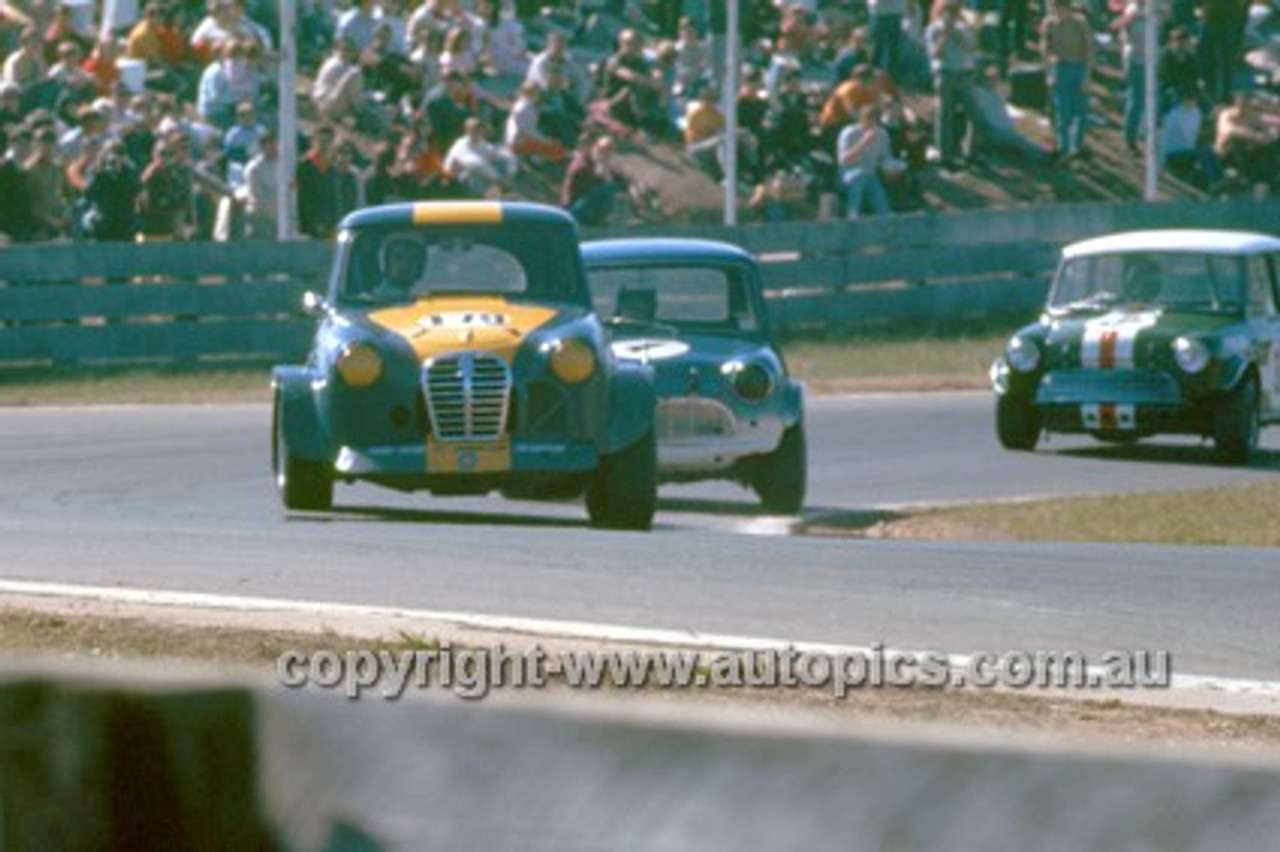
{"x":253,"y":653}
{"x":1232,"y":515}
{"x":894,"y":358}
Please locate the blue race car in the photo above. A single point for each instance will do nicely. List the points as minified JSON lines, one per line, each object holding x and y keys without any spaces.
{"x":693,"y":310}
{"x":457,"y":352}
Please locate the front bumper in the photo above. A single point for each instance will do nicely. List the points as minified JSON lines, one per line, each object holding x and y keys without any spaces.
{"x":507,"y":460}
{"x":699,"y":434}
{"x":1139,"y":401}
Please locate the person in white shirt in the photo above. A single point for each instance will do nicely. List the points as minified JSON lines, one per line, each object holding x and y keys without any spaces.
{"x":258,"y":193}
{"x":522,"y":134}
{"x":478,"y":164}
{"x":863,"y":148}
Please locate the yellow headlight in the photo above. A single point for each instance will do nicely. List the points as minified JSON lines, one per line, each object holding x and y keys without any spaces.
{"x":359,"y":364}
{"x":573,"y":361}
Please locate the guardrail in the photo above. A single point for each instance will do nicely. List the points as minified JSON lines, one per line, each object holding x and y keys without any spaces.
{"x":107,"y":304}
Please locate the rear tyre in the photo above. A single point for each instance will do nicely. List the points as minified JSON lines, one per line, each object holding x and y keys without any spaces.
{"x":304,"y":485}
{"x":1235,"y":423}
{"x":782,"y":476}
{"x":623,"y":495}
{"x":1017,"y":423}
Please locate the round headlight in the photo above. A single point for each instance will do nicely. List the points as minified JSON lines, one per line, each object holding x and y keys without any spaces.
{"x":1192,"y":355}
{"x":572,"y":361}
{"x":359,"y":365}
{"x":1022,"y":354}
{"x":751,"y":381}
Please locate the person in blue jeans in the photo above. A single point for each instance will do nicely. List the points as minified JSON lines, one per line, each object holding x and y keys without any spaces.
{"x":1132,"y":26}
{"x":1068,"y":52}
{"x":862,"y":149}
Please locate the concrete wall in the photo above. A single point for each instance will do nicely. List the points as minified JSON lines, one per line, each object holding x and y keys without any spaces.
{"x":123,"y":765}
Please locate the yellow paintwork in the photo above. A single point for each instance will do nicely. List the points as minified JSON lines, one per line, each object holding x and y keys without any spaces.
{"x":458,"y":213}
{"x":436,"y":325}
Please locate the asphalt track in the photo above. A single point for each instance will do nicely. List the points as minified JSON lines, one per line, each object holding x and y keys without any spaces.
{"x":180,"y":498}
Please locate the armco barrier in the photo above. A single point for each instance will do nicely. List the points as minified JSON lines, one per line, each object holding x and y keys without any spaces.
{"x":99,"y":304}
{"x":118,"y":765}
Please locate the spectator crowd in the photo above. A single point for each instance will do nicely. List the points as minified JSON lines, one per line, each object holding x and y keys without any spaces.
{"x":159,"y":123}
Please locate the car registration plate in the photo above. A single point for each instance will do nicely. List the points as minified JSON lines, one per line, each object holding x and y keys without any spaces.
{"x":468,"y":456}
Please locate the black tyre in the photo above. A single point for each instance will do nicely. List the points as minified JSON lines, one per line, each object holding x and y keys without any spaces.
{"x":781,"y":477}
{"x":1235,"y":423}
{"x":623,"y":495}
{"x":305,"y":486}
{"x":1017,"y":423}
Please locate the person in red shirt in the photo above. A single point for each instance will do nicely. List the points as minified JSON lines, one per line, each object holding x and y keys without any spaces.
{"x":101,"y":65}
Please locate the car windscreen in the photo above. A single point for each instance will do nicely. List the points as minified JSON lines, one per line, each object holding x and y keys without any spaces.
{"x":533,"y":260}
{"x":1192,"y":281}
{"x":693,"y":297}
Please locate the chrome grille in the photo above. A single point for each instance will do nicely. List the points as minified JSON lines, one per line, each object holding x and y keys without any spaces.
{"x":1121,"y":386}
{"x":693,"y":418}
{"x":467,"y":396}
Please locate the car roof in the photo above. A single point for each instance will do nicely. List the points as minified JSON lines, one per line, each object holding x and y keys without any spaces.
{"x":661,"y":249}
{"x":1188,"y":240}
{"x":426,"y":213}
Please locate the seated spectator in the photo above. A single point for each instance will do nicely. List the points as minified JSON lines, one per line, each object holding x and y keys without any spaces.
{"x":1183,"y":150}
{"x":391,"y":16}
{"x":421,"y":166}
{"x":357,"y":24}
{"x":383,"y":183}
{"x":447,"y":108}
{"x":87,"y":136}
{"x":1248,"y":140}
{"x":101,"y":65}
{"x":482,"y":167}
{"x":556,"y":62}
{"x":693,"y":59}
{"x":993,"y":128}
{"x":227,"y":22}
{"x":560,"y":113}
{"x":73,"y":86}
{"x":1179,"y":69}
{"x":26,"y":67}
{"x":387,"y":71}
{"x":522,"y":134}
{"x":10,"y":104}
{"x":157,"y":41}
{"x":863,"y":148}
{"x":458,"y":56}
{"x":591,"y":182}
{"x":225,"y":84}
{"x":704,"y":129}
{"x":633,"y":88}
{"x":867,"y":86}
{"x":62,"y":28}
{"x":339,"y":91}
{"x":505,"y":51}
{"x":434,"y":17}
{"x":789,"y":139}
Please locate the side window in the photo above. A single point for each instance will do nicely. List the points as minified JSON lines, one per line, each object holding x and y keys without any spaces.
{"x":1273,"y":260}
{"x":1261,"y":287}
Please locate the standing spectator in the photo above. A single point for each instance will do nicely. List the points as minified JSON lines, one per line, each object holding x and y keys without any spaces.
{"x":1132,"y":26}
{"x":44,"y":181}
{"x":1221,"y":43}
{"x":478,"y":164}
{"x":693,"y":58}
{"x":887,"y":18}
{"x":225,"y":84}
{"x":112,"y":196}
{"x":1015,"y":23}
{"x":633,"y":88}
{"x":951,"y":49}
{"x":1179,"y":68}
{"x":166,"y":202}
{"x":260,"y":189}
{"x":319,"y":203}
{"x":506,"y":51}
{"x":522,"y":134}
{"x":1068,"y":51}
{"x":863,"y":148}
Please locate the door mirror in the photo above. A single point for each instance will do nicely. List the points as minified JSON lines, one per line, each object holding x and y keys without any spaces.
{"x":313,"y":304}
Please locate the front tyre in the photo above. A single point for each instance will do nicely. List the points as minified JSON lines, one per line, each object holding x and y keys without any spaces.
{"x":623,"y":494}
{"x":304,"y":486}
{"x":1017,"y":423}
{"x":782,"y":476}
{"x":1235,"y":423}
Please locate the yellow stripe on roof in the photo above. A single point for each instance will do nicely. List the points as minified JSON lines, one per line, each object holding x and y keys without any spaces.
{"x":458,"y":213}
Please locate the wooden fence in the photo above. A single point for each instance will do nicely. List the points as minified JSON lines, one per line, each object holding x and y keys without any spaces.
{"x":105,"y":304}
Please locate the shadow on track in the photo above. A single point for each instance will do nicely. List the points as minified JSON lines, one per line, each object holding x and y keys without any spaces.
{"x":365,"y":514}
{"x":1200,"y":455}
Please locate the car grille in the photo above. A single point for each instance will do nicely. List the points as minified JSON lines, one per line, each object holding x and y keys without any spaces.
{"x":693,"y":418}
{"x":1084,"y":386}
{"x":467,"y":396}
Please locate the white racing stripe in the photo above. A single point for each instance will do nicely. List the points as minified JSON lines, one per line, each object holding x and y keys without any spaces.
{"x":553,"y":629}
{"x":1109,"y":341}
